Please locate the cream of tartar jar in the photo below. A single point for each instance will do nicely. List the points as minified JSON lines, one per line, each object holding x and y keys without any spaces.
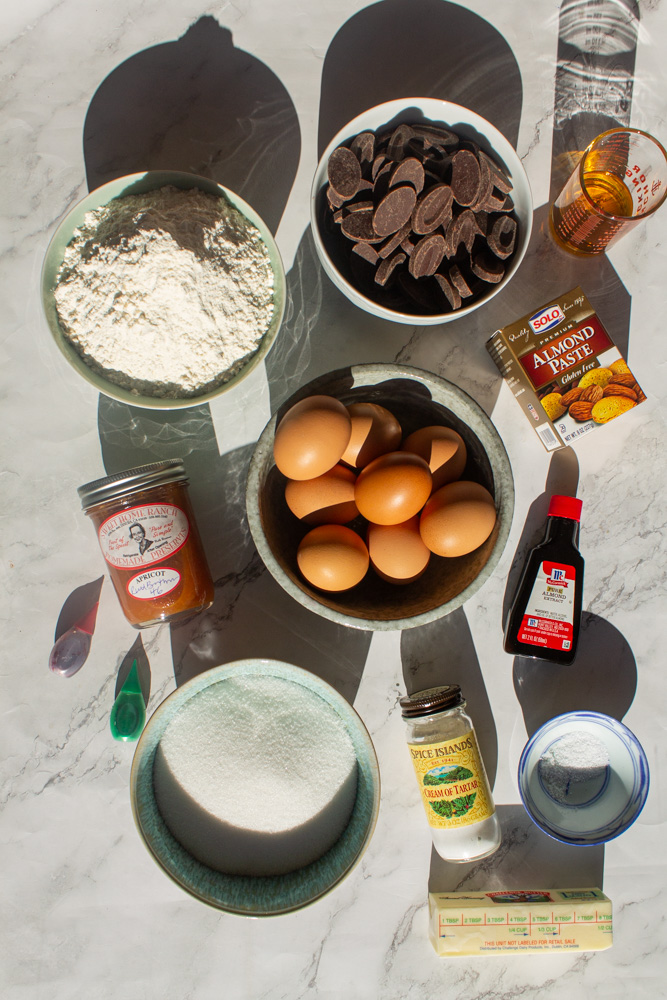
{"x":452,"y":781}
{"x":148,"y":535}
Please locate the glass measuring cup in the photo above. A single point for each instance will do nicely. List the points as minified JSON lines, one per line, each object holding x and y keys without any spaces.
{"x":620,"y":180}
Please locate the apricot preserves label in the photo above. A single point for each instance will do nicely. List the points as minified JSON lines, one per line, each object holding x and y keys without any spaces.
{"x":142,"y":536}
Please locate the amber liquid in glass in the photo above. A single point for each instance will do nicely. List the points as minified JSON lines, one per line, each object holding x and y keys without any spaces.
{"x":578,"y":228}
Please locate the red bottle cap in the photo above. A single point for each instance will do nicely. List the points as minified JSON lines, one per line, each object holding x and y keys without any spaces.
{"x":565,"y":507}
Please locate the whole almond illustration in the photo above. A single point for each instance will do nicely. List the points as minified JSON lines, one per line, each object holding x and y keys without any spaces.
{"x":620,"y":390}
{"x":624,"y":378}
{"x":571,"y":396}
{"x":581,"y":410}
{"x":591,"y":394}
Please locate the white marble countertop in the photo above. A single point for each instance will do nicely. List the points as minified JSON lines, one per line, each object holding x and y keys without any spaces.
{"x":93,"y":91}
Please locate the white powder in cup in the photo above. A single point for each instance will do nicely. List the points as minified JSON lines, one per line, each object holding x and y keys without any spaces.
{"x":168,"y":293}
{"x":256,"y":776}
{"x":573,"y":770}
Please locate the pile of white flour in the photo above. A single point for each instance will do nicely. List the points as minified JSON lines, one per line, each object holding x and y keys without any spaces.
{"x":166,"y":293}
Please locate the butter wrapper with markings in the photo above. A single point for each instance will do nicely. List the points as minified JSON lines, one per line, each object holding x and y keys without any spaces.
{"x":564,"y":370}
{"x":519,"y":921}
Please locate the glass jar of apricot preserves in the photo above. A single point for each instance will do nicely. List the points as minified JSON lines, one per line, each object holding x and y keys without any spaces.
{"x":149,"y":539}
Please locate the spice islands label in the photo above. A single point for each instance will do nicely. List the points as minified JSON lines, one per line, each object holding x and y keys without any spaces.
{"x":142,"y":536}
{"x":452,"y":781}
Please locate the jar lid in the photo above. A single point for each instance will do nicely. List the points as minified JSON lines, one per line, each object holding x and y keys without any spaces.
{"x":117,"y":485}
{"x":561,"y":506}
{"x":435,"y":699}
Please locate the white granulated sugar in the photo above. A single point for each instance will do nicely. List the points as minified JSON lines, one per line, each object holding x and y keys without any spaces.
{"x":256,"y":776}
{"x":578,"y":759}
{"x":166,"y":293}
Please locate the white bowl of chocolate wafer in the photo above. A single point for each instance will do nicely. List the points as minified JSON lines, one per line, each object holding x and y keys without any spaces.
{"x":421,"y":211}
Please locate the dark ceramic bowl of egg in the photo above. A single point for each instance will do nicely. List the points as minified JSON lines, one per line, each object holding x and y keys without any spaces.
{"x":468,"y":512}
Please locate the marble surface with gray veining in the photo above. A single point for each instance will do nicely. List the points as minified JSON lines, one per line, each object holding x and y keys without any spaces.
{"x":249,"y":93}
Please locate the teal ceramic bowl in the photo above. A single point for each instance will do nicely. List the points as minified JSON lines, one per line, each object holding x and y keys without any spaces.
{"x":140,"y":184}
{"x":260,"y":896}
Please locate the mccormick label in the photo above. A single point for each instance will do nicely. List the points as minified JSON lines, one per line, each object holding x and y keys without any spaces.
{"x":142,"y":536}
{"x":549,"y":616}
{"x":550,"y":359}
{"x":452,"y":781}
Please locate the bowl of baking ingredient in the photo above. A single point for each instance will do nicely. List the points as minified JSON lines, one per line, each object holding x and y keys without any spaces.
{"x":417,"y":594}
{"x":163,"y":289}
{"x":421,"y":211}
{"x":255,"y":787}
{"x":583,"y":778}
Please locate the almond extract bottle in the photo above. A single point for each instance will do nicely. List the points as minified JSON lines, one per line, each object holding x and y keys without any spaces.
{"x":545,"y":615}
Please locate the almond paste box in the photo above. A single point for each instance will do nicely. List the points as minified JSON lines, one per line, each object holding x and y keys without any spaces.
{"x":564,"y":370}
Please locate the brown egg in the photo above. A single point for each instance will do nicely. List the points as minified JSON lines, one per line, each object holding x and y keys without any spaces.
{"x":444,"y":450}
{"x":375,"y":431}
{"x":311,"y":437}
{"x":332,"y":557}
{"x":327,"y":499}
{"x":457,"y":519}
{"x":397,"y":551}
{"x":393,"y":488}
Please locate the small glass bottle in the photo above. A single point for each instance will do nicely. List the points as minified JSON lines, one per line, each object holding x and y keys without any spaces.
{"x":545,"y":615}
{"x":149,"y":538}
{"x":453,"y":783}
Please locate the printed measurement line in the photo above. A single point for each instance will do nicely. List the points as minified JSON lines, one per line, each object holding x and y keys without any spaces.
{"x":527,"y":923}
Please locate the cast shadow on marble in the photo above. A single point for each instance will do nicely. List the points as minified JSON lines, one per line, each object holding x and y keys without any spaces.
{"x":526,"y":859}
{"x":602,"y":678}
{"x":199,"y":105}
{"x":251,"y":616}
{"x":562,"y":479}
{"x":443,"y":652}
{"x":593,"y":83}
{"x":394,"y":49}
{"x":135,"y":652}
{"x":419,"y":48}
{"x":77,"y":605}
{"x":594,"y":79}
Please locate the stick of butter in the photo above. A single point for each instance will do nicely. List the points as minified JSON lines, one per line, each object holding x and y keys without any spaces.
{"x":520,"y":920}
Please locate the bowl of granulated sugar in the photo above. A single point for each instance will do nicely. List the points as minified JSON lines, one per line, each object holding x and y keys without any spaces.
{"x":256,"y":787}
{"x":583,"y":778}
{"x":163,"y":289}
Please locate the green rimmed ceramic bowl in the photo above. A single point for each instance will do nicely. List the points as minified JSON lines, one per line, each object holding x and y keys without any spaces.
{"x":417,"y":399}
{"x":142,"y":183}
{"x":260,"y":896}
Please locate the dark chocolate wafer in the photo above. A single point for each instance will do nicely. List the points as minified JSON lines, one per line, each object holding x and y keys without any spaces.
{"x":465,"y":180}
{"x":408,"y":171}
{"x":427,"y":256}
{"x":344,"y":172}
{"x":359,"y":226}
{"x":433,"y":209}
{"x":394,"y":210}
{"x":487,"y":267}
{"x":394,"y":242}
{"x":448,"y":290}
{"x":388,"y":267}
{"x":502,"y":238}
{"x":363,"y":147}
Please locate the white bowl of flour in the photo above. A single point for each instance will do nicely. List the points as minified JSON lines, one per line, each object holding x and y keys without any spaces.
{"x":163,"y":289}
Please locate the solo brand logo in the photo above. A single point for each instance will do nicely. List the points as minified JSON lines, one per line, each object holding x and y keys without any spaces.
{"x":544,"y":320}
